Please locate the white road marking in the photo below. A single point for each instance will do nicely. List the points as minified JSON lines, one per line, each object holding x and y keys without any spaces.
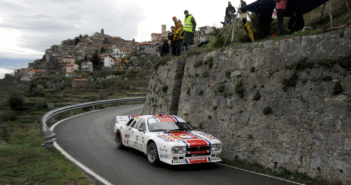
{"x":69,"y":157}
{"x":260,"y":174}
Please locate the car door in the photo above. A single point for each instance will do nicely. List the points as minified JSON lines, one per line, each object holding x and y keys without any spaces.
{"x":133,"y":135}
{"x":127,"y":134}
{"x":141,"y":137}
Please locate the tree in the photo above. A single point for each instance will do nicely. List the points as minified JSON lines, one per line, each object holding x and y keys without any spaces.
{"x":76,"y":40}
{"x":96,"y":61}
{"x":102,"y":50}
{"x":16,"y":101}
{"x":80,"y":36}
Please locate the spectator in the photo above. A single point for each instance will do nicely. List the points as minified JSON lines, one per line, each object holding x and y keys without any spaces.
{"x":177,"y":38}
{"x":229,"y":10}
{"x":165,"y":48}
{"x":189,"y":30}
{"x":296,"y":22}
{"x":170,"y":38}
{"x":281,"y":7}
{"x":243,"y":14}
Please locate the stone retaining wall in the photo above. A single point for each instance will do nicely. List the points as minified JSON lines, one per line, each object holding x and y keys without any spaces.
{"x":309,"y":129}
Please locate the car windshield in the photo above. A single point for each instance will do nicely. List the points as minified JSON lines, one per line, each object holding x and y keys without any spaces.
{"x":168,"y":126}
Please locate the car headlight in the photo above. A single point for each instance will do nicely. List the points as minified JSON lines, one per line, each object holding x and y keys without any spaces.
{"x":178,"y":150}
{"x":216,"y":147}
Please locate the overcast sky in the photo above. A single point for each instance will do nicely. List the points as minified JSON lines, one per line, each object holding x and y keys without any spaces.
{"x":29,"y":27}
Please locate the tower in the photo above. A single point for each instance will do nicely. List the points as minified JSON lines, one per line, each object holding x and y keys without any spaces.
{"x":163,"y":28}
{"x":102,"y":31}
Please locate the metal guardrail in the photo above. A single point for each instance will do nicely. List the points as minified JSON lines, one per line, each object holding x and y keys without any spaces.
{"x":50,"y":136}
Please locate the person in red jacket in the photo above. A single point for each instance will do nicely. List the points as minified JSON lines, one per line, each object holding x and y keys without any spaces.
{"x":281,"y":7}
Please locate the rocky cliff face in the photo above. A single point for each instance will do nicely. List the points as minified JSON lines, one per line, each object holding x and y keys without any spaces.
{"x":279,"y":104}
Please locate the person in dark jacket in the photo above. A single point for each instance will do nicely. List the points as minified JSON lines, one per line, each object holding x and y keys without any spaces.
{"x":229,"y":10}
{"x":172,"y":44}
{"x":189,"y":30}
{"x":296,"y":22}
{"x":165,"y":48}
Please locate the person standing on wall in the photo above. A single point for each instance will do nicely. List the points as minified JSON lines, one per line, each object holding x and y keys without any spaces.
{"x":189,"y":30}
{"x":170,"y":38}
{"x":229,"y":11}
{"x":243,"y":14}
{"x":281,"y":7}
{"x":164,"y":47}
{"x":177,"y":38}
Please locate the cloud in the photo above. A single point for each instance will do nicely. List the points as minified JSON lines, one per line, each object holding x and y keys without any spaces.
{"x":28,"y":28}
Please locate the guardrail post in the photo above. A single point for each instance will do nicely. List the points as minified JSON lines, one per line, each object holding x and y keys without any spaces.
{"x":71,"y":112}
{"x":93,"y":107}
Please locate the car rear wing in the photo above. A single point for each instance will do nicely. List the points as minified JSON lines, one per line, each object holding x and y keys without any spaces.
{"x":123,"y":120}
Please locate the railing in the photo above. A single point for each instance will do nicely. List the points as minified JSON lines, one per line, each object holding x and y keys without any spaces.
{"x":49,"y":135}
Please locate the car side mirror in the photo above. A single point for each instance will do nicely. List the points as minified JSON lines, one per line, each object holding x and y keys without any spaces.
{"x":141,"y":130}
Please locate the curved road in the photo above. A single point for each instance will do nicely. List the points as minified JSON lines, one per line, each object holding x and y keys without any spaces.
{"x":89,"y":138}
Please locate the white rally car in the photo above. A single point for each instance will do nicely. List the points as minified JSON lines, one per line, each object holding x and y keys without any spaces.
{"x":166,"y":138}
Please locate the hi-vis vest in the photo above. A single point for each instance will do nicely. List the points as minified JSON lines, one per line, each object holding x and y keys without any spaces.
{"x":188,"y":25}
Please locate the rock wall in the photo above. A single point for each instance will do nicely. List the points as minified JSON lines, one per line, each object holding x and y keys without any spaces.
{"x":309,"y":128}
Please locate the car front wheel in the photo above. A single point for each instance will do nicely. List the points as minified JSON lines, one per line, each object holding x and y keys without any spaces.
{"x":119,"y":141}
{"x":152,"y":154}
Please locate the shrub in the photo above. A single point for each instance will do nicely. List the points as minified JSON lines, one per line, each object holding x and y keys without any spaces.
{"x":252,"y":70}
{"x":200,"y":125}
{"x":220,"y":88}
{"x":301,"y":64}
{"x":205,"y":74}
{"x":164,"y":88}
{"x":257,"y":96}
{"x":227,"y":74}
{"x":8,"y":115}
{"x":209,"y":117}
{"x":239,"y":89}
{"x":291,"y":82}
{"x":215,"y":108}
{"x":209,"y":62}
{"x":197,"y":75}
{"x":267,"y":110}
{"x":250,"y":136}
{"x":197,"y":64}
{"x":101,"y":107}
{"x":338,"y":89}
{"x":16,"y":102}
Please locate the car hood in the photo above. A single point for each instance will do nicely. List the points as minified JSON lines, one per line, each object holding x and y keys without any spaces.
{"x":189,"y":138}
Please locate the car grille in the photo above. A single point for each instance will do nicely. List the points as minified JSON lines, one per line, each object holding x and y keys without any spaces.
{"x":196,"y":151}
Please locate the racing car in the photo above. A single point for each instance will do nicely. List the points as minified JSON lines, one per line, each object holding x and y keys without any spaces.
{"x":166,"y":138}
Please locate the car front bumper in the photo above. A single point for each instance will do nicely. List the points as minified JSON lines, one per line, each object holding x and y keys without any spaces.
{"x":179,"y":159}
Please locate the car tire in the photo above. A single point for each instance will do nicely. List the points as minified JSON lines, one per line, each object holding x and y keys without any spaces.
{"x":119,"y":143}
{"x":152,"y":154}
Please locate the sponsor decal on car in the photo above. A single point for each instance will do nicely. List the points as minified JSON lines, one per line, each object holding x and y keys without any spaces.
{"x":198,"y":160}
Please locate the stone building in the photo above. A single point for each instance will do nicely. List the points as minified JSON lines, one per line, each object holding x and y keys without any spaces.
{"x":157,"y":37}
{"x":147,"y":48}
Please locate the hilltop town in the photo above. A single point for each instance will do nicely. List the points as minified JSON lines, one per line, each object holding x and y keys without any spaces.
{"x":101,"y":52}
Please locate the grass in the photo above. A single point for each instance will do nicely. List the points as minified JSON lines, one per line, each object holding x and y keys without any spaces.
{"x":291,"y":82}
{"x":239,"y":89}
{"x":277,"y":172}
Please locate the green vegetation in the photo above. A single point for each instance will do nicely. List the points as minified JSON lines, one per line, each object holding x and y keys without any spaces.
{"x":197,"y":75}
{"x":253,"y":69}
{"x":23,"y":159}
{"x":164,"y":88}
{"x":267,"y":110}
{"x":257,"y":96}
{"x":338,"y":88}
{"x":250,"y":136}
{"x":205,"y":74}
{"x":209,"y":117}
{"x":291,"y":82}
{"x":215,"y":108}
{"x":209,"y":62}
{"x":198,"y":64}
{"x":227,"y":74}
{"x":239,"y":89}
{"x":220,"y":88}
{"x":301,"y":64}
{"x":200,"y":125}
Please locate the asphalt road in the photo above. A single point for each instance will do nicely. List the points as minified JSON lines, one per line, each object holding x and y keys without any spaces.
{"x":89,"y":138}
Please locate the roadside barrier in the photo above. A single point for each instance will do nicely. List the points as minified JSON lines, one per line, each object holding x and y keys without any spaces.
{"x":50,"y":136}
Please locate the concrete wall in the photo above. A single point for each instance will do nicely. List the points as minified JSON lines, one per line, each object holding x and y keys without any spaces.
{"x":309,"y":129}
